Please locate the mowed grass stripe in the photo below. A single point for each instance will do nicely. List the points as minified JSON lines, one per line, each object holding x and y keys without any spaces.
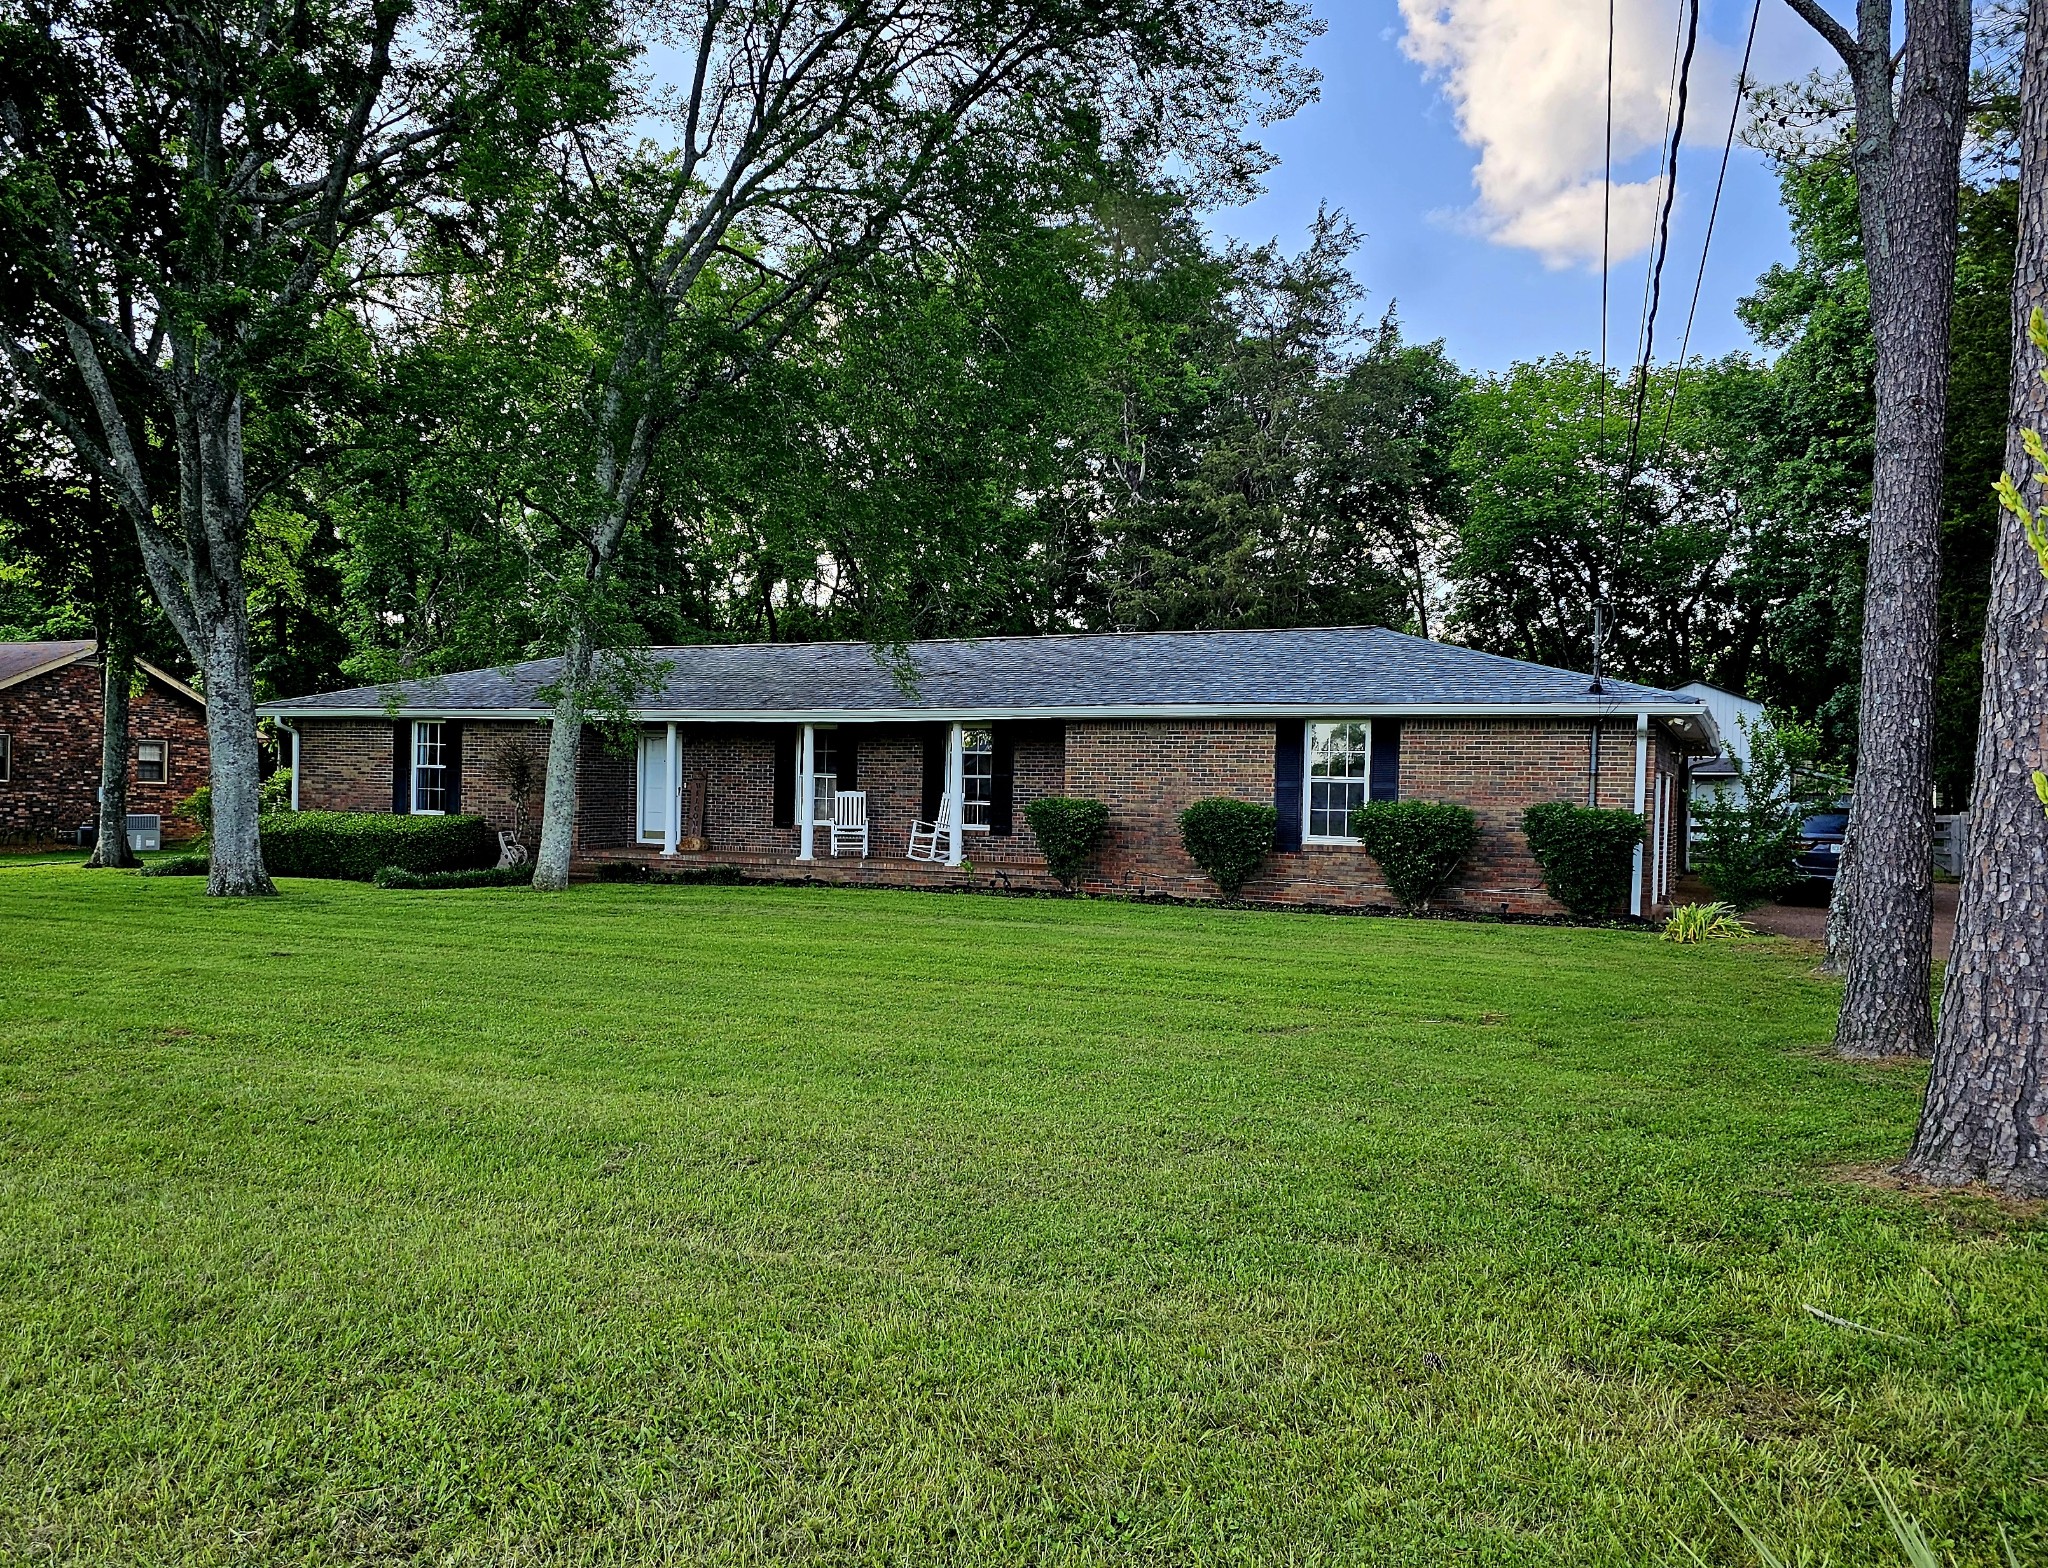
{"x":746,"y":1225}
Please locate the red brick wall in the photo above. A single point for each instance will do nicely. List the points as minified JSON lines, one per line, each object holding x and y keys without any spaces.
{"x":1146,"y":772}
{"x":53,"y":722}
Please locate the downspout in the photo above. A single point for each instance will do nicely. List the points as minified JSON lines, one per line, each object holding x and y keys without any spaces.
{"x":280,"y":723}
{"x":1635,"y":890}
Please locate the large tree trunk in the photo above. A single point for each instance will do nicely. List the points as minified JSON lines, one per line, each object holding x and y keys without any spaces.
{"x":565,"y":750}
{"x":1907,"y":184}
{"x":1841,"y":925}
{"x":117,"y":674}
{"x":1986,"y":1115}
{"x":235,"y":763}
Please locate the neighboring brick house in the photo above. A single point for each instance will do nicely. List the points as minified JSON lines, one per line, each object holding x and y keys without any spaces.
{"x":50,"y":708}
{"x":737,"y":740}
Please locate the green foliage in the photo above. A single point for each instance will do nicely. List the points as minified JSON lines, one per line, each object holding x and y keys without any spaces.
{"x":1229,"y":839}
{"x":1069,"y":830}
{"x":1419,"y":844}
{"x":1587,"y":854}
{"x":175,"y":866}
{"x":681,"y":876}
{"x":355,"y":845}
{"x":197,"y":809}
{"x":275,"y":792}
{"x":1693,"y":923}
{"x":1747,"y":836}
{"x":486,"y":876}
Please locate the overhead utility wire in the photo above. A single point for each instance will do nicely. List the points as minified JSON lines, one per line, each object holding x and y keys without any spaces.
{"x":1713,"y":212}
{"x":1667,"y":169}
{"x":1635,"y":424}
{"x":1606,"y":225}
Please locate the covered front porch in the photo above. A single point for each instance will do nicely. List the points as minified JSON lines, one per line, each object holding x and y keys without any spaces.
{"x":828,"y":798}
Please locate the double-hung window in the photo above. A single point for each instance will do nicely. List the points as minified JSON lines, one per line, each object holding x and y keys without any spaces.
{"x":824,"y":776}
{"x":152,"y":762}
{"x":429,"y":768}
{"x":1339,"y":777}
{"x":977,"y":777}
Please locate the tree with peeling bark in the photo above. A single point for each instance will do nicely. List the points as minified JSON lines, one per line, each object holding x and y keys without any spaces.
{"x":1911,"y":112}
{"x":1986,"y":1113}
{"x":185,"y":190}
{"x":805,"y":139}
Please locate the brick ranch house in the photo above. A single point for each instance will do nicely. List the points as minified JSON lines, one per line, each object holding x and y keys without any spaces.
{"x":50,"y":712}
{"x":741,"y":750}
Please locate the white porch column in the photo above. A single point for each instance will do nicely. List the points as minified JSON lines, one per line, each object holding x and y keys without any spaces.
{"x":956,"y":797}
{"x":806,"y":790}
{"x":1635,"y":886}
{"x":671,"y":819}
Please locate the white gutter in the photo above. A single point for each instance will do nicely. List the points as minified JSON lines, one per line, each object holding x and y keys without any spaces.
{"x":1692,"y":712}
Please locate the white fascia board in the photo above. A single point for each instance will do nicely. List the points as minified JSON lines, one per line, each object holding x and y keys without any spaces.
{"x":1691,"y":712}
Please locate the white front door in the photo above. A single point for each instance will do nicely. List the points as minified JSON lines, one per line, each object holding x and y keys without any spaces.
{"x":653,"y":791}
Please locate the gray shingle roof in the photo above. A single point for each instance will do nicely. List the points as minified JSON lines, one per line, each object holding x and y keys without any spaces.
{"x":1320,"y":669}
{"x":19,"y":659}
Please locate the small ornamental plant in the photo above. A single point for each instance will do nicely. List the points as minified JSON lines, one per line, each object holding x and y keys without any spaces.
{"x":1587,"y":854}
{"x":1069,"y":830}
{"x":1229,"y":839}
{"x":1691,"y":923}
{"x":1418,"y":844}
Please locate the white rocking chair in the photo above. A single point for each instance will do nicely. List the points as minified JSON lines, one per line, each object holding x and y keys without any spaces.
{"x":928,"y":840}
{"x":850,"y":820}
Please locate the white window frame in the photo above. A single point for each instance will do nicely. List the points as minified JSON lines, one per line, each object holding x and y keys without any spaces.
{"x":968,"y":777}
{"x":1308,"y":778}
{"x":824,"y":746}
{"x":163,"y":762}
{"x":441,"y":767}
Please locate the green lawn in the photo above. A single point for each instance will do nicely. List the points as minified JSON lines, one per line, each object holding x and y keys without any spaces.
{"x":742,"y":1225}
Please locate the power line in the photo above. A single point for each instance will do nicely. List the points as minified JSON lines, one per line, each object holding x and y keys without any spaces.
{"x":1713,"y":212}
{"x":1663,"y":247}
{"x":1606,"y":225}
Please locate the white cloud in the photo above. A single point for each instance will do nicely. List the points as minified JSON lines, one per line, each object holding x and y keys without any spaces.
{"x":1526,"y":79}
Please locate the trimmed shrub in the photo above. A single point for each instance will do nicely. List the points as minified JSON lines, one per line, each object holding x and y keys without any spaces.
{"x":1419,"y":844}
{"x":356,"y":845}
{"x":489,"y":876}
{"x":1587,"y":854}
{"x":1229,"y":839}
{"x":176,"y":866}
{"x":1069,"y":830}
{"x":681,"y":876}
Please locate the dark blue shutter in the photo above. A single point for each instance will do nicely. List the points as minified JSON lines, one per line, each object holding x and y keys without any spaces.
{"x":785,"y":778}
{"x":451,"y":758}
{"x":847,"y":761}
{"x":935,"y":738}
{"x":1002,"y":793}
{"x":1288,"y":741}
{"x":1385,"y":780}
{"x":401,"y":767}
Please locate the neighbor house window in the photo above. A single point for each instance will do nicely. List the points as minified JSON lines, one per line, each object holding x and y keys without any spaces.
{"x":152,"y":762}
{"x":824,"y":774}
{"x":6,"y":758}
{"x":977,"y":776}
{"x":429,"y":768}
{"x":1339,"y":762}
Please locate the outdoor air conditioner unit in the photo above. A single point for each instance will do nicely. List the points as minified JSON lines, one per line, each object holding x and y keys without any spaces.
{"x":145,"y":832}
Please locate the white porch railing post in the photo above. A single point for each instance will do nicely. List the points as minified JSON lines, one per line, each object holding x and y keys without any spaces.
{"x":806,"y":789}
{"x":1635,"y":887}
{"x":671,"y":820}
{"x":956,"y":797}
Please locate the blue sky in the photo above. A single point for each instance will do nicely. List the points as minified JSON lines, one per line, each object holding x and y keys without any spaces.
{"x":1470,"y":175}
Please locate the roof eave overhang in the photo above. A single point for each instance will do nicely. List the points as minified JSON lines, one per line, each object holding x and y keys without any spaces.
{"x":1687,"y":715}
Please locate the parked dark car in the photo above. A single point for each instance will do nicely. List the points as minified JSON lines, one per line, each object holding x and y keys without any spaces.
{"x":1822,"y":856}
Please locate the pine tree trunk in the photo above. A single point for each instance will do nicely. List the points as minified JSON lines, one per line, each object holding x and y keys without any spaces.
{"x":1986,"y":1114}
{"x":117,"y":672}
{"x":565,"y":750}
{"x":1909,"y":228}
{"x":1841,"y":926}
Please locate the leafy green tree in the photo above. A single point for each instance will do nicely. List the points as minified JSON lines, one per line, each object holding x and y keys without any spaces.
{"x":1748,"y":833}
